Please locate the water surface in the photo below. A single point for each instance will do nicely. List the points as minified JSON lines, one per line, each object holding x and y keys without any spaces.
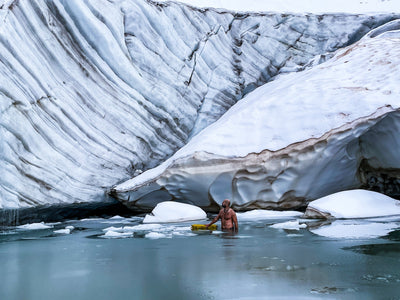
{"x":259,"y":262}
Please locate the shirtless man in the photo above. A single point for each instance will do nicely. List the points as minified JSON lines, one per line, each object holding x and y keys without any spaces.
{"x":227,"y":216}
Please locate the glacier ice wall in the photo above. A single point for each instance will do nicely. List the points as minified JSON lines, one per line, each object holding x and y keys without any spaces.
{"x":301,"y":137}
{"x":91,"y":92}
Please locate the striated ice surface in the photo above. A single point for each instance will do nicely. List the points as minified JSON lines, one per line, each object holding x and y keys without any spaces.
{"x":301,"y":137}
{"x":314,"y":6}
{"x":94,"y":92}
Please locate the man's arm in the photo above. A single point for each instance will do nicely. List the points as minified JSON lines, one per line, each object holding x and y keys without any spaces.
{"x":214,"y":220}
{"x":235,"y":221}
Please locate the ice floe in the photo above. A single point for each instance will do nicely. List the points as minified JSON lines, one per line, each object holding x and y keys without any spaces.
{"x":353,"y":204}
{"x":116,"y":234}
{"x":170,"y":211}
{"x":260,"y":214}
{"x":63,"y":231}
{"x":291,"y":225}
{"x":151,"y":231}
{"x":353,"y":229}
{"x":35,"y":226}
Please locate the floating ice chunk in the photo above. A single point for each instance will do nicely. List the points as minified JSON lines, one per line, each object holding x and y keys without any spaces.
{"x":35,"y":226}
{"x":116,"y":235}
{"x":116,"y":217}
{"x":70,"y":227}
{"x":91,"y":219}
{"x":112,"y":228}
{"x":170,"y":211}
{"x":294,"y":225}
{"x":261,"y":214}
{"x":142,"y":227}
{"x":63,"y":231}
{"x":155,"y":235}
{"x":355,"y":230}
{"x":353,"y":204}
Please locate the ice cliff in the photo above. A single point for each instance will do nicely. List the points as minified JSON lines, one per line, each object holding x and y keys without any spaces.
{"x":302,"y":136}
{"x":92,"y":92}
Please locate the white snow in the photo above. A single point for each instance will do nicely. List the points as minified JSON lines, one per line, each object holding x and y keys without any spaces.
{"x":116,"y":235}
{"x":63,"y":231}
{"x":300,"y":6}
{"x":290,"y":225}
{"x":170,"y":211}
{"x":260,"y":214}
{"x":351,"y":229}
{"x":143,"y":227}
{"x":35,"y":226}
{"x":155,"y":235}
{"x":357,"y":204}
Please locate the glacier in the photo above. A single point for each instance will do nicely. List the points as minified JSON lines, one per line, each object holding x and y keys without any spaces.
{"x":300,"y":137}
{"x":94,"y":92}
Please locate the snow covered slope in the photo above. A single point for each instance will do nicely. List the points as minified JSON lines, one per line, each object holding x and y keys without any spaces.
{"x":93,"y":91}
{"x":301,"y":137}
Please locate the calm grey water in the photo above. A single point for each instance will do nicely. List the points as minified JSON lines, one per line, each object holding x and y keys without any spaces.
{"x":258,"y":263}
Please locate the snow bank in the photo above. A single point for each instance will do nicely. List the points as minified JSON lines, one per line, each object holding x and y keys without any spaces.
{"x":170,"y":211}
{"x":355,"y":230}
{"x":260,"y":214}
{"x":353,"y":204}
{"x":300,"y":6}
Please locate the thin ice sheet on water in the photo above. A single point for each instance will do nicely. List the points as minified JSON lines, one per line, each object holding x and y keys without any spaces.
{"x":291,"y":225}
{"x":261,"y":214}
{"x":353,"y":229}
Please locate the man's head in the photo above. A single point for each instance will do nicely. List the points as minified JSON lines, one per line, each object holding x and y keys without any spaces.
{"x":226,"y":203}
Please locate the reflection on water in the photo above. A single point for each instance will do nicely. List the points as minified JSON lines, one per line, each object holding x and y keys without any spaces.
{"x":259,"y":262}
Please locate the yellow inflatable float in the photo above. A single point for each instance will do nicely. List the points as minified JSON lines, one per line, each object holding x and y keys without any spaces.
{"x":203,"y":227}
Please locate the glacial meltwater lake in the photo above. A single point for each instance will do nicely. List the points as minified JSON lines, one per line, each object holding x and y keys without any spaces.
{"x":168,"y":261}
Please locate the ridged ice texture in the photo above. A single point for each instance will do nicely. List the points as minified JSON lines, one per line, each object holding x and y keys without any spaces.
{"x":298,"y":138}
{"x":91,"y":91}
